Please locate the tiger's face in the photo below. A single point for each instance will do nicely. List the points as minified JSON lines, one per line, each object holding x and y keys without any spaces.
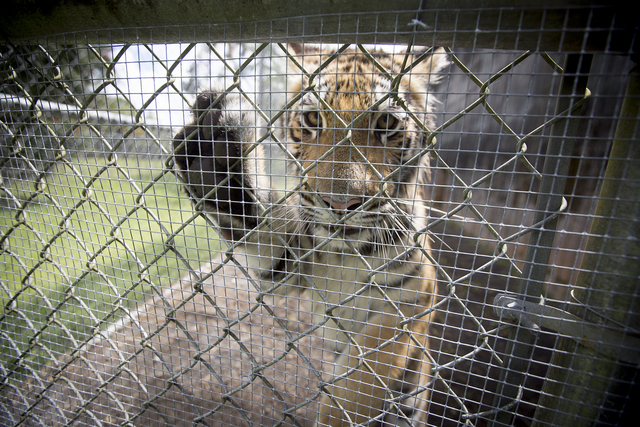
{"x":354,"y":136}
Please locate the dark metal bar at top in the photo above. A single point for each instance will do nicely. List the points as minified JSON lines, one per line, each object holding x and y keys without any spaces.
{"x":494,"y":24}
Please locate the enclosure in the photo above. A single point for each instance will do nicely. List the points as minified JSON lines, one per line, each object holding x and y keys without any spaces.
{"x":122,"y":303}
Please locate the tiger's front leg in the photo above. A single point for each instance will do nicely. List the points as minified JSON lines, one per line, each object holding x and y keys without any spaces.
{"x":386,"y":371}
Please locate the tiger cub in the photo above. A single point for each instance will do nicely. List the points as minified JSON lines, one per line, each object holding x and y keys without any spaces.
{"x":355,"y":126}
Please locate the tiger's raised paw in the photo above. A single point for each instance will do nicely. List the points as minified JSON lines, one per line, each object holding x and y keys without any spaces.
{"x":209,"y":152}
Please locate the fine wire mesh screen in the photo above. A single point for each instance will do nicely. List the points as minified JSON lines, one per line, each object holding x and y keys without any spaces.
{"x":230,"y":232}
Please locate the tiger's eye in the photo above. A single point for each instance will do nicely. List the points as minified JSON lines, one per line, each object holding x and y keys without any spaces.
{"x":386,"y":122}
{"x":312,"y":119}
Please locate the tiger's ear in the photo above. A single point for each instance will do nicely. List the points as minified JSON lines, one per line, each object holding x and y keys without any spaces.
{"x":297,"y":48}
{"x":423,"y":74}
{"x":416,"y":83}
{"x":302,"y":49}
{"x":308,"y":56}
{"x":431,"y":68}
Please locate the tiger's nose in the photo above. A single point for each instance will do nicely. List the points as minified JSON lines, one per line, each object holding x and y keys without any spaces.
{"x":349,"y":205}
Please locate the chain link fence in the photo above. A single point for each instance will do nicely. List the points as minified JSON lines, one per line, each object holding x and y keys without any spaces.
{"x":124,"y":305}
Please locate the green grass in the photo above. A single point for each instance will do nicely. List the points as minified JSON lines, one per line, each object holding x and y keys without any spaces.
{"x":68,"y":255}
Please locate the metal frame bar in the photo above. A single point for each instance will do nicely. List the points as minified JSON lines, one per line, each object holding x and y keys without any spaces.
{"x":521,"y":339}
{"x":587,"y":381}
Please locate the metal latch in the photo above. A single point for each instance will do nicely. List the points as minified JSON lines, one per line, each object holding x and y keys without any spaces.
{"x":612,"y":342}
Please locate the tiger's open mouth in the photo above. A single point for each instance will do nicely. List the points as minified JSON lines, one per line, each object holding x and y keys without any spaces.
{"x":346,"y":229}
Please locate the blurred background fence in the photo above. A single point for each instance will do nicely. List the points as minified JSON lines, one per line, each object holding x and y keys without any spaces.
{"x":117,"y":310}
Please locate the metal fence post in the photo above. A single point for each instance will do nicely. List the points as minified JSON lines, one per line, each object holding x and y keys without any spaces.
{"x":582,"y":384}
{"x":521,"y":339}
